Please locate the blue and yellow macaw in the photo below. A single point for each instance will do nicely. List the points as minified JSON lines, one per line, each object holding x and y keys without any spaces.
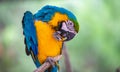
{"x":46,"y":31}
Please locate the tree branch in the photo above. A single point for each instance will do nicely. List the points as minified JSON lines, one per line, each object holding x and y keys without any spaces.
{"x":66,"y":59}
{"x":46,"y":65}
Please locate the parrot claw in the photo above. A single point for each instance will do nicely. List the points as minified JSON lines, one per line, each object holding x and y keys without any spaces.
{"x":57,"y":35}
{"x":51,"y":61}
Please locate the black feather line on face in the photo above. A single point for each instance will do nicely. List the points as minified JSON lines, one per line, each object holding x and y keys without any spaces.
{"x":57,"y":28}
{"x":60,"y":25}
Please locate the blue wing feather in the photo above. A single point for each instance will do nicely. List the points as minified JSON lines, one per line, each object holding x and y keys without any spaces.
{"x":29,"y":32}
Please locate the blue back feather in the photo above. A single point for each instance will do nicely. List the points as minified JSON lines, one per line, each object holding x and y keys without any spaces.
{"x":30,"y":32}
{"x":30,"y":36}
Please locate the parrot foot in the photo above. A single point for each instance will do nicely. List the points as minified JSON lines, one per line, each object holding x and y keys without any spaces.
{"x":57,"y":35}
{"x":51,"y":61}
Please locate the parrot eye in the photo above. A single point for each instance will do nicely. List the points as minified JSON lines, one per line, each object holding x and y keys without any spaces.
{"x":70,"y":23}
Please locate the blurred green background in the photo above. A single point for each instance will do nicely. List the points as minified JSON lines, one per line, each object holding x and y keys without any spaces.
{"x":96,"y":48}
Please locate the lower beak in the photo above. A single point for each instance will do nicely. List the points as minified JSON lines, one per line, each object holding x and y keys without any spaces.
{"x":68,"y":35}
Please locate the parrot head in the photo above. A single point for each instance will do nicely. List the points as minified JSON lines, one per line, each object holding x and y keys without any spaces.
{"x":61,"y":20}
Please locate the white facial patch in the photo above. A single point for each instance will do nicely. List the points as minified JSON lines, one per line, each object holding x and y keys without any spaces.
{"x":68,"y":26}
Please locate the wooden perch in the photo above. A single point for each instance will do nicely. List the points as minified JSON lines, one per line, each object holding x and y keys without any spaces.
{"x":118,"y":70}
{"x":46,"y":65}
{"x":66,"y":59}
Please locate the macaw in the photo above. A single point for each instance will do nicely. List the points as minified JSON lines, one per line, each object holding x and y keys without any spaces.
{"x":46,"y":31}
